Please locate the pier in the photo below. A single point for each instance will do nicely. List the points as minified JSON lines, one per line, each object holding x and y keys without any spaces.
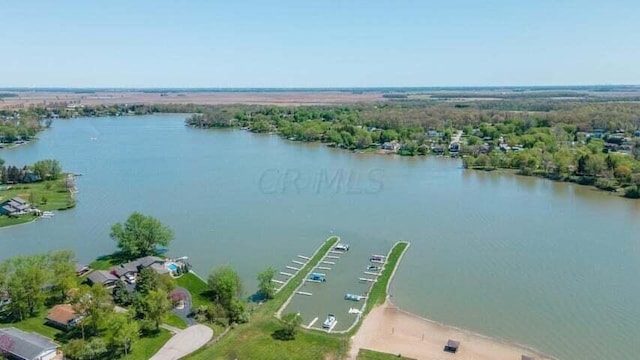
{"x":303,"y":257}
{"x":304,"y":293}
{"x":292,"y":268}
{"x":369,"y":280}
{"x":277,"y":281}
{"x":298,"y":262}
{"x":329,"y":262}
{"x":286,"y":274}
{"x":323,"y":268}
{"x":333,"y":257}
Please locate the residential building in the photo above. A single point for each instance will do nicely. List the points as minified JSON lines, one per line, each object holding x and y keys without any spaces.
{"x":22,"y":345}
{"x":15,"y":206}
{"x":63,"y":316}
{"x":102,"y":277}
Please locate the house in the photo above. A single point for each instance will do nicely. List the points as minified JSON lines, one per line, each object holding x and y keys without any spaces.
{"x":434,"y":134}
{"x":28,"y":346}
{"x":133,"y":267}
{"x":391,"y":146}
{"x":102,"y":277}
{"x":31,"y":177}
{"x":63,"y":316}
{"x":15,"y":206}
{"x":82,"y":269}
{"x":438,"y":149}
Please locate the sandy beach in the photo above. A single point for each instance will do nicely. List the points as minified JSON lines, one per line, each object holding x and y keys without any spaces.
{"x":391,"y":330}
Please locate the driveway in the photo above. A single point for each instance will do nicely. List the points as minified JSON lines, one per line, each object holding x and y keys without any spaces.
{"x":184,"y":312}
{"x":184,"y":343}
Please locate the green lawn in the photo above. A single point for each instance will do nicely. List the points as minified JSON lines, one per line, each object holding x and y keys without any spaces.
{"x":55,"y":192}
{"x":148,"y":346}
{"x":175,"y":321}
{"x":37,"y":325}
{"x":254,"y":340}
{"x":364,"y":354}
{"x":197,"y":287}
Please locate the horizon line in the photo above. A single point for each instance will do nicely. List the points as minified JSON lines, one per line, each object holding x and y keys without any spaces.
{"x":320,"y":88}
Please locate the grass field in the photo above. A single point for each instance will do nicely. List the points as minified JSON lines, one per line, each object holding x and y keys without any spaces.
{"x":175,"y":321}
{"x":254,"y":340}
{"x":45,"y":195}
{"x":364,"y":354}
{"x":147,"y":346}
{"x":197,"y":287}
{"x":37,"y":325}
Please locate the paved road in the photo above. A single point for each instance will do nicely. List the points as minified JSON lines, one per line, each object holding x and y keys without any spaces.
{"x":184,"y":313}
{"x":184,"y":343}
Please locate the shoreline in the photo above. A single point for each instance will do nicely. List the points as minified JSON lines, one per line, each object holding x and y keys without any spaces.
{"x":392,"y":330}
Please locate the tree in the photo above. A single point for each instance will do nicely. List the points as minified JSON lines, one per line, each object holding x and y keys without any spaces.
{"x":121,"y":294}
{"x":47,"y":169}
{"x":148,"y":279}
{"x":93,"y":303}
{"x":266,"y":286}
{"x":225,"y":285}
{"x":79,"y":349}
{"x":122,"y":332}
{"x":154,"y":306}
{"x":63,"y":272}
{"x":25,"y":277}
{"x":140,"y":235}
{"x":290,"y":322}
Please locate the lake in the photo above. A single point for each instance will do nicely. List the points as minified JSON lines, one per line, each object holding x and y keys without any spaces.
{"x":550,"y":265}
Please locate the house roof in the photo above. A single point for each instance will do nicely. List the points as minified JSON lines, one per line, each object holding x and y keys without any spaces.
{"x":101,"y":277}
{"x":62,"y":314}
{"x":133,"y":266}
{"x":23,"y":344}
{"x":81,"y":267}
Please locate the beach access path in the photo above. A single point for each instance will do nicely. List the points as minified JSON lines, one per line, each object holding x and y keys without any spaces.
{"x":390,"y":330}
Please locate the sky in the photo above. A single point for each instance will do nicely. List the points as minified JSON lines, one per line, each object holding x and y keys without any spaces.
{"x":325,"y":43}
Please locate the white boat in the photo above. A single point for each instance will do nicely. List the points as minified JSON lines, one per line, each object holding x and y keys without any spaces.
{"x":342,"y":247}
{"x":329,"y":322}
{"x":354,"y":311}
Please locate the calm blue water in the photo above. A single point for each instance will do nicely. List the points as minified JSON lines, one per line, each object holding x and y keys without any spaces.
{"x":550,"y":265}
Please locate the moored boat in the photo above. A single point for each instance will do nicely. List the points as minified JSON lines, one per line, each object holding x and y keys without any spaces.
{"x":329,"y":322}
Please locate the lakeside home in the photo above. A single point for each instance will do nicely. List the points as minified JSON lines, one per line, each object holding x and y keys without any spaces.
{"x":63,"y":317}
{"x":22,"y":345}
{"x":15,"y":206}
